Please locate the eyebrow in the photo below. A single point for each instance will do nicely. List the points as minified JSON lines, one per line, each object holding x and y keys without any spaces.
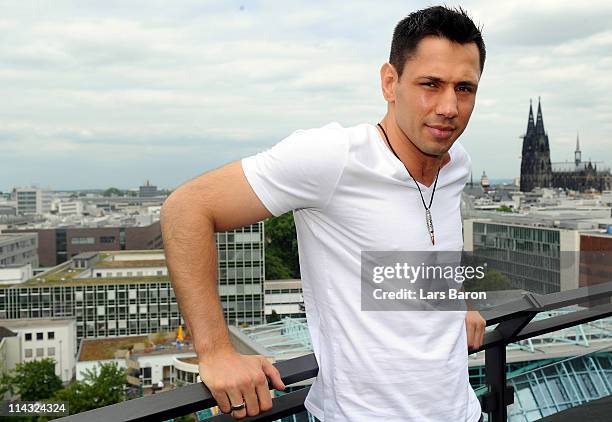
{"x":440,"y":80}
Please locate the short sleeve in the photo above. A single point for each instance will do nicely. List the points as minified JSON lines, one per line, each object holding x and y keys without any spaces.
{"x":301,"y":171}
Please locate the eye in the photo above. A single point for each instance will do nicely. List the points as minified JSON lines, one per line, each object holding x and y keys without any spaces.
{"x":429,"y":84}
{"x":465,"y":88}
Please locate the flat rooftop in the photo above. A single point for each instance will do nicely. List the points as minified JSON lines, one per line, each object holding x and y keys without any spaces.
{"x":103,"y":349}
{"x":64,"y":274}
{"x":33,"y":323}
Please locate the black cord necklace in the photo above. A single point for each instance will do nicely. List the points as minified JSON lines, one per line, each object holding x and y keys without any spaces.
{"x":428,"y":219}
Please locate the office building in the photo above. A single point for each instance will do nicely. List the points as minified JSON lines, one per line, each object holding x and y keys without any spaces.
{"x":529,"y":254}
{"x":57,"y":245}
{"x":122,"y":293}
{"x":18,"y":249}
{"x":32,"y":200}
{"x":148,"y":190}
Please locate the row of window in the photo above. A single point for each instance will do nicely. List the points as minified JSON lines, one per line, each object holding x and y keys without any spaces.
{"x":40,"y":335}
{"x":17,"y":245}
{"x":130,"y":273}
{"x":90,"y":240}
{"x":239,"y":255}
{"x":273,"y":291}
{"x":40,"y":352}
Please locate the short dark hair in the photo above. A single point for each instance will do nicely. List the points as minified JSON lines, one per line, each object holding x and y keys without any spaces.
{"x":452,"y":24}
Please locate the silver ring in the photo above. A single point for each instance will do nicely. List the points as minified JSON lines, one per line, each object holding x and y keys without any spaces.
{"x":238,"y":406}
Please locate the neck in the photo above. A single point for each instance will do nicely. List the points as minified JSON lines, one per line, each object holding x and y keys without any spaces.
{"x":423,"y":167}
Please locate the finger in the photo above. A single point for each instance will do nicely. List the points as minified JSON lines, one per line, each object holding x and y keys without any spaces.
{"x":482,"y":334}
{"x":263,"y":394}
{"x":272,"y":373}
{"x":252,"y":403}
{"x":222,"y":400}
{"x":470,"y":335}
{"x":236,"y":398}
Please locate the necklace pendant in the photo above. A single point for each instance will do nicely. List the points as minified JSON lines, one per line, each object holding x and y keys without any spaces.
{"x":430,"y":227}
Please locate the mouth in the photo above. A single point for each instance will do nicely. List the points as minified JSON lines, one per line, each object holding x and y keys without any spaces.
{"x":440,"y":131}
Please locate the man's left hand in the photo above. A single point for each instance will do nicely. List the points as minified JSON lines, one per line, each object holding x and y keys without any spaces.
{"x":475,"y":328}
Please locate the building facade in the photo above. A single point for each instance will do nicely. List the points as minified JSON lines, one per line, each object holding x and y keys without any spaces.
{"x":284,"y":298}
{"x":58,"y":245}
{"x":65,"y":208}
{"x":33,"y":200}
{"x":128,"y":293}
{"x":537,"y":259}
{"x":47,"y":338}
{"x":147,"y":190}
{"x":17,"y":250}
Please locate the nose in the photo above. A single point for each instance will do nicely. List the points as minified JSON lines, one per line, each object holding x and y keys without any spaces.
{"x":447,"y":104}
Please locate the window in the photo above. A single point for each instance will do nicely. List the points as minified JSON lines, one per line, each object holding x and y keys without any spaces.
{"x":28,"y":353}
{"x":51,"y":351}
{"x":50,"y":335}
{"x":83,"y":240}
{"x":40,"y":352}
{"x":28,"y":337}
{"x":39,"y":336}
{"x":107,"y":239}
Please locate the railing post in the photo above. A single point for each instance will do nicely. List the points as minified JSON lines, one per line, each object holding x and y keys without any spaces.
{"x":500,"y":394}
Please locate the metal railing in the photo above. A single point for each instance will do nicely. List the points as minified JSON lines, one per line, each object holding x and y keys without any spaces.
{"x":513,"y":321}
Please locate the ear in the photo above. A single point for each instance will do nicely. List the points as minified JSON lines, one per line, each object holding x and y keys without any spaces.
{"x":388,"y":80}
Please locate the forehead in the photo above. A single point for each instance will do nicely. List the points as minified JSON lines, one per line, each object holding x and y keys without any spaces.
{"x":444,"y":58}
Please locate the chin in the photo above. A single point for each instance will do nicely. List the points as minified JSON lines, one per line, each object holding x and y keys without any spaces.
{"x":436,"y":149}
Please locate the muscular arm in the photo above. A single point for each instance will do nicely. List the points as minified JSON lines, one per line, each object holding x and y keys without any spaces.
{"x":217,"y":201}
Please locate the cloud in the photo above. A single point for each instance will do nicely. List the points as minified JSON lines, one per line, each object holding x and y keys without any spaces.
{"x":119,"y":90}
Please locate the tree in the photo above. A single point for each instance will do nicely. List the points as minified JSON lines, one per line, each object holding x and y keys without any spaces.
{"x":276,"y":269}
{"x":493,"y":280}
{"x":282,"y":260}
{"x":98,"y":388}
{"x":35,"y":380}
{"x":6,"y":384}
{"x":112,"y":192}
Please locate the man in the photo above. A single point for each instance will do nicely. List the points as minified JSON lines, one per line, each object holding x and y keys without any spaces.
{"x":364,"y":188}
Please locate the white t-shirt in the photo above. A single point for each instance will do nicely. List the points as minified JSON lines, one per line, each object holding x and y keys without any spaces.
{"x":350,"y":194}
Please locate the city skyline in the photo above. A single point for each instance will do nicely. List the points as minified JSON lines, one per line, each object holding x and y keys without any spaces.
{"x":113,"y":94}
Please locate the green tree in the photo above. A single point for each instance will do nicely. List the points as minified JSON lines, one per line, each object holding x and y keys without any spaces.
{"x":108,"y":385}
{"x":98,"y":388}
{"x":493,"y":280}
{"x":282,"y":259}
{"x":6,"y":384}
{"x":276,"y":269}
{"x":113,"y":191}
{"x":35,"y":380}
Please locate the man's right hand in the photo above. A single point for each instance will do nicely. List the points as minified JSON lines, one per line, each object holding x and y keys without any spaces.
{"x":233,"y":378}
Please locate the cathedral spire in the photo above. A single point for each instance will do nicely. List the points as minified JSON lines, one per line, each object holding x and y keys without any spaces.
{"x":540,"y":120}
{"x":530,"y":124}
{"x":577,"y":153}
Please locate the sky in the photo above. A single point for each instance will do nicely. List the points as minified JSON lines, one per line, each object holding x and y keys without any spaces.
{"x":112,"y":93}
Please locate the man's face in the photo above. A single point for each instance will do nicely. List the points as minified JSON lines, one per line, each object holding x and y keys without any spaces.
{"x":435,"y":95}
